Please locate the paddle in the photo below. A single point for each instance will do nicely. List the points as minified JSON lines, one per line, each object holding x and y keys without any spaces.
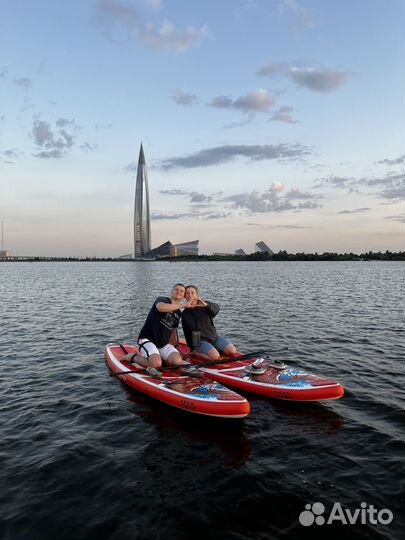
{"x":123,"y":348}
{"x":203,"y":364}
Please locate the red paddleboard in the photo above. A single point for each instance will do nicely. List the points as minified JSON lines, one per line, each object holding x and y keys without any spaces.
{"x":197,"y":395}
{"x":287,"y":383}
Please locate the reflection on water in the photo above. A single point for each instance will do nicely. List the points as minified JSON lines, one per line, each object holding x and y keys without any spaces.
{"x":315,"y":418}
{"x":229,"y":437}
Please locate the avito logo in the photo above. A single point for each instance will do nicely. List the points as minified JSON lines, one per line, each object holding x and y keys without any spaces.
{"x":313,"y":513}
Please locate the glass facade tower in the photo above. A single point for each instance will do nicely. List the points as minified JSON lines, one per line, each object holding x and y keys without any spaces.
{"x":142,"y":239}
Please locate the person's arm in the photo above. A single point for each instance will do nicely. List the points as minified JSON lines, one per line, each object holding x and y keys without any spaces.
{"x":212,"y":308}
{"x":164,"y":307}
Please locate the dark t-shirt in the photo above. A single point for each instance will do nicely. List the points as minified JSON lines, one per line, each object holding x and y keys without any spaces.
{"x":158,"y":326}
{"x":200,"y":319}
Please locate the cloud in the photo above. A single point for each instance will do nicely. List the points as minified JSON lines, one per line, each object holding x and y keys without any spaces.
{"x":165,"y":38}
{"x":395,"y":193}
{"x":8,"y":156}
{"x":270,"y":201}
{"x":217,"y":215}
{"x":340,"y":182}
{"x":199,"y":197}
{"x":89,"y":147}
{"x":183,"y":98}
{"x":277,"y":187}
{"x":388,"y":181}
{"x":46,"y":154}
{"x":396,"y":161}
{"x":191,"y":215}
{"x":160,"y":216}
{"x":226,"y":153}
{"x":246,"y":120}
{"x":274,"y":70}
{"x":295,"y":194}
{"x":53,"y":142}
{"x":194,"y":196}
{"x":256,"y":101}
{"x":355,"y":211}
{"x":284,"y":115}
{"x":391,"y":186}
{"x":400,"y":218}
{"x":41,"y":132}
{"x":322,"y":81}
{"x":221,"y":102}
{"x":316,"y":80}
{"x":63,"y":122}
{"x":23,"y":82}
{"x":174,"y":192}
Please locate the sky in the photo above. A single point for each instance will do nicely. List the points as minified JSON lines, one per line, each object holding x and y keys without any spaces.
{"x":261,"y":120}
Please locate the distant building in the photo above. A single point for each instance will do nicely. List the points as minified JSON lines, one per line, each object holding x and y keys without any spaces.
{"x":186,"y":248}
{"x":164,"y":250}
{"x":142,"y":237}
{"x":142,"y":229}
{"x":240,"y":252}
{"x":169,"y":250}
{"x":5,"y":254}
{"x":264,"y":248}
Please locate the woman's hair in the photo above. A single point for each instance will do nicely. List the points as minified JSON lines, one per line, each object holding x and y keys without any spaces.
{"x":192,"y":287}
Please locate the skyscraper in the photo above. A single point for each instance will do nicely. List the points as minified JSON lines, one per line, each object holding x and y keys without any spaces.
{"x":142,"y":241}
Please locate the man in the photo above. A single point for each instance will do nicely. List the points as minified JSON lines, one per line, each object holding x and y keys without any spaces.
{"x":199,"y":330}
{"x":157,"y":331}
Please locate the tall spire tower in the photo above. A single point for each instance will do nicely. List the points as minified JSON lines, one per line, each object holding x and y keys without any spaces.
{"x":142,"y":242}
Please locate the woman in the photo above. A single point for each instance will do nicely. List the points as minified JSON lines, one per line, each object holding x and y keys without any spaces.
{"x":199,"y":330}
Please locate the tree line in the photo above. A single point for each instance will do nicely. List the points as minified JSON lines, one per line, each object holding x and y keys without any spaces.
{"x":257,"y":256}
{"x":285,"y":256}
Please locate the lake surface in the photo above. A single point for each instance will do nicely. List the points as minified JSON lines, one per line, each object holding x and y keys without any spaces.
{"x":83,"y":457}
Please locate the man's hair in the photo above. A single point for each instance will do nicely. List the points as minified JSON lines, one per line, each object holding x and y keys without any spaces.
{"x":178,"y":285}
{"x":192,"y":286}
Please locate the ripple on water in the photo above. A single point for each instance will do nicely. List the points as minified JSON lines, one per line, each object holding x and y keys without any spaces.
{"x":85,"y":458}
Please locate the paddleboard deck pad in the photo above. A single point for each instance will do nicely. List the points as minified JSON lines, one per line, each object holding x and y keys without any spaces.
{"x":287,"y":383}
{"x":198,"y":395}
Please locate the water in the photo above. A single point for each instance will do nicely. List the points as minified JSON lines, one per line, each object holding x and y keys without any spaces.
{"x":85,"y":458}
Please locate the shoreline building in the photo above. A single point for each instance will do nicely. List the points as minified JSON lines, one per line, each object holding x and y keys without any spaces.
{"x":167,"y":249}
{"x":263,"y":248}
{"x":142,"y":236}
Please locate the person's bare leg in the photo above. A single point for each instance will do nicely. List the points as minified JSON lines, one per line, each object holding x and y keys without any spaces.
{"x":210,"y":357}
{"x":174,"y":359}
{"x":153,"y":360}
{"x":230,"y":350}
